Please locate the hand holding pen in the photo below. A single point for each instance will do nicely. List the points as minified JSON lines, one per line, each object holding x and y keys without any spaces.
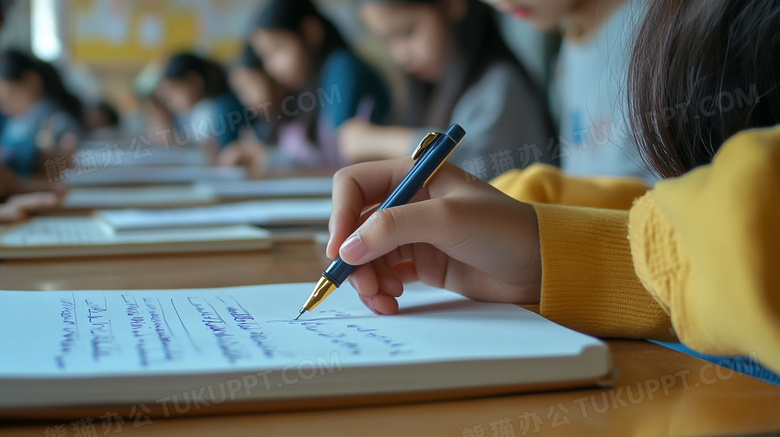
{"x":455,"y":234}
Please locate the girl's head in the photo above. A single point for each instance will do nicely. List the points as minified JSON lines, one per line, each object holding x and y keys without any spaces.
{"x":543,"y":14}
{"x":416,"y":31}
{"x":250,"y":81}
{"x":701,"y":72}
{"x":25,"y":80}
{"x":444,"y":46}
{"x":293,"y":39}
{"x":188,"y":79}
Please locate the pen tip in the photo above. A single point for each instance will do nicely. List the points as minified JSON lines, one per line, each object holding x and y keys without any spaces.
{"x":299,"y":314}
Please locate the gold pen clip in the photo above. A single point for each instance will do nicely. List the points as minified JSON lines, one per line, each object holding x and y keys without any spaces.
{"x":424,"y":144}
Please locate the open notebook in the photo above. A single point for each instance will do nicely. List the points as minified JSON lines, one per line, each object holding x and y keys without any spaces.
{"x":89,"y":236}
{"x":134,"y":152}
{"x":258,"y":212}
{"x":145,"y":175}
{"x":286,"y":187}
{"x":128,"y":197}
{"x":194,"y":194}
{"x":212,"y":350}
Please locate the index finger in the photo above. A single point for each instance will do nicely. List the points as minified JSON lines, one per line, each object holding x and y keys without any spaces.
{"x":355,"y":188}
{"x":367,"y":184}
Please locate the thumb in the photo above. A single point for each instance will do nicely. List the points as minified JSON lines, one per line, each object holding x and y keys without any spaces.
{"x":391,"y":228}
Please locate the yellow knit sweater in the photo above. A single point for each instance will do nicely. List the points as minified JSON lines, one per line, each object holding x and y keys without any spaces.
{"x":699,"y":253}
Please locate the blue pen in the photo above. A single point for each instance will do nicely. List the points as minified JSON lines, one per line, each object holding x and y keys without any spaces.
{"x":429,"y":156}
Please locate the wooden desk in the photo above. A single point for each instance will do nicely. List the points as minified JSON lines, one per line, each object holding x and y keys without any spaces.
{"x":657,"y":391}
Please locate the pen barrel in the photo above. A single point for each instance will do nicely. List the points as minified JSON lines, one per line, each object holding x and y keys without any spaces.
{"x":426,"y":165}
{"x":338,"y":271}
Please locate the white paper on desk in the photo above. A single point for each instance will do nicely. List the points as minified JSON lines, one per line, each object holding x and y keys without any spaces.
{"x":143,"y":333}
{"x":124,"y":197}
{"x":258,"y":212}
{"x":287,"y":187}
{"x":151,"y":175}
{"x":123,"y":153}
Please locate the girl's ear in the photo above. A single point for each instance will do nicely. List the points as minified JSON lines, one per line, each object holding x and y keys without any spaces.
{"x":455,"y":10}
{"x":313,"y":32}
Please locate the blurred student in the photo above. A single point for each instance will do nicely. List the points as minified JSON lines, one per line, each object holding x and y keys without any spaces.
{"x":458,"y":69}
{"x":304,"y":52}
{"x":196,"y":90}
{"x":257,"y":147}
{"x":18,"y":198}
{"x":152,"y":118}
{"x":44,"y":118}
{"x":589,"y":84}
{"x":102,"y":120}
{"x":696,"y":258}
{"x":256,"y":89}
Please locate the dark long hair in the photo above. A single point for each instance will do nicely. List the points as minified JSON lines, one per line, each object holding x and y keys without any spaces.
{"x":700,"y":72}
{"x":14,"y":64}
{"x":182,"y":64}
{"x":476,"y":45}
{"x":289,"y":15}
{"x":249,"y":60}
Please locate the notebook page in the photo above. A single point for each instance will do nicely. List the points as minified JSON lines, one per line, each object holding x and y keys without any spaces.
{"x":259,"y":212}
{"x":145,"y":332}
{"x":288,"y":187}
{"x":123,"y":197}
{"x":74,"y":231}
{"x":129,"y":175}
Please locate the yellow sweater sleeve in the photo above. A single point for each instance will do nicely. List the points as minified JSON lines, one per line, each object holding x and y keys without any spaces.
{"x":700,"y":253}
{"x":588,"y":280}
{"x":541,"y":183}
{"x":707,"y":248}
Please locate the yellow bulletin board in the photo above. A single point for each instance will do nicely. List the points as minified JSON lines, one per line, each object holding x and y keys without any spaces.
{"x":133,"y":32}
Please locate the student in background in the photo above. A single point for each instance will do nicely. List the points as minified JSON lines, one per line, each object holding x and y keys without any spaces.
{"x":21,"y":197}
{"x":589,"y":83}
{"x":256,"y":148}
{"x":102,"y":120}
{"x":196,"y":90}
{"x":305,"y":53}
{"x":152,"y":118}
{"x":44,"y":118}
{"x":256,"y":89}
{"x":696,"y":258}
{"x":458,"y":69}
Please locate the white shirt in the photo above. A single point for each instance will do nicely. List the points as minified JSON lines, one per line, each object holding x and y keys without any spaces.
{"x":590,"y":100}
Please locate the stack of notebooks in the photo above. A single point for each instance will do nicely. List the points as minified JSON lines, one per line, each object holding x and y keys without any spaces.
{"x":223,"y":227}
{"x":195,"y":194}
{"x":151,"y":226}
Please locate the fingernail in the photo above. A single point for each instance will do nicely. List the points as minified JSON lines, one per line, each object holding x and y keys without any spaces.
{"x":353,"y":250}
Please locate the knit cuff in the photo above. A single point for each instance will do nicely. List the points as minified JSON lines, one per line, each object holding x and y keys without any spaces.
{"x":588,"y":278}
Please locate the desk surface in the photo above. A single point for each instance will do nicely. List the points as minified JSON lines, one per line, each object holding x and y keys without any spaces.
{"x":657,"y":391}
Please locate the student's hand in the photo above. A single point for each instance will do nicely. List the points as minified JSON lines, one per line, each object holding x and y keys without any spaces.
{"x":33,"y":186}
{"x":355,"y":137}
{"x":11,"y":184}
{"x":459,"y":234}
{"x":20,"y":206}
{"x":361,"y":141}
{"x":251,"y":156}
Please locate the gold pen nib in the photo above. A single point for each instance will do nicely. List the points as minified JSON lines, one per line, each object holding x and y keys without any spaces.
{"x":323,"y":288}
